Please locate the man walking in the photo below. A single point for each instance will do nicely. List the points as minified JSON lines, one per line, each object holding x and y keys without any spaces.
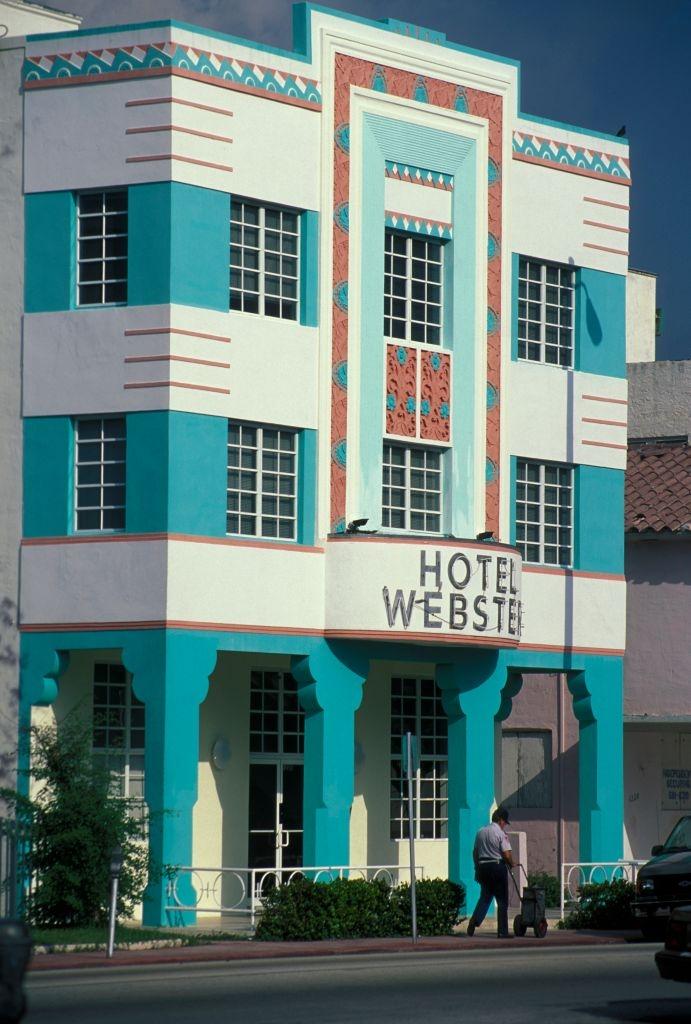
{"x":493,"y":859}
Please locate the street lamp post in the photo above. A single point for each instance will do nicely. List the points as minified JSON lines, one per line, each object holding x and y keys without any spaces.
{"x":116,"y":859}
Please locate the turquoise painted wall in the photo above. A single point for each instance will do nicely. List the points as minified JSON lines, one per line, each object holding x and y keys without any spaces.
{"x":48,"y":476}
{"x":601,"y":323}
{"x":599,"y":538}
{"x":307,"y":486}
{"x":49,"y":267}
{"x":309,"y":268}
{"x":179,"y":239}
{"x":176,"y":473}
{"x":384,"y":139}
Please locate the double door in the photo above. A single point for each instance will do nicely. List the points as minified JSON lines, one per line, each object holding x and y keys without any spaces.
{"x":275,"y":814}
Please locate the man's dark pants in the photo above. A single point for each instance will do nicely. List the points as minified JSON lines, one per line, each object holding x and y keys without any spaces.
{"x":494,"y":884}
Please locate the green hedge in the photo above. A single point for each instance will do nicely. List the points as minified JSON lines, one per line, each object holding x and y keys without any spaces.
{"x":550,"y":883}
{"x":356,"y":909}
{"x":603,"y":905}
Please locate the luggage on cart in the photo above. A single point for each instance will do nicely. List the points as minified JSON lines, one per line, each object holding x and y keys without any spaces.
{"x":532,"y":913}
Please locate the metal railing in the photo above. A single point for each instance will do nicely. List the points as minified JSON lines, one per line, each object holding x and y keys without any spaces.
{"x":242,"y":890}
{"x":14,"y":885}
{"x":580,"y":873}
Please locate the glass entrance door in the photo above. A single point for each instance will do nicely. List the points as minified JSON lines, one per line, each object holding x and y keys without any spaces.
{"x":275,"y":815}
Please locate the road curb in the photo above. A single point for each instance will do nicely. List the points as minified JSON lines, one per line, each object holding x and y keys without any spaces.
{"x":225,"y":952}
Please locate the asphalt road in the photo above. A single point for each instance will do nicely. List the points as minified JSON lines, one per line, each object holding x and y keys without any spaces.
{"x":595,"y":985}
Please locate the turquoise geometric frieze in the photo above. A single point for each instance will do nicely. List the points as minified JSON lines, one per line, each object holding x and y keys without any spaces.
{"x":129,"y":61}
{"x":418,"y":175}
{"x":418,"y":225}
{"x":578,"y":158}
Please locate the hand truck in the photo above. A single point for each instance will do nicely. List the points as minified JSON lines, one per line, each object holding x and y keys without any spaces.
{"x":532,"y":914}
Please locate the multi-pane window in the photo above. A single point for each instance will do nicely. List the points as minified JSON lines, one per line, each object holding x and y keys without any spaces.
{"x":416,"y":707}
{"x":526,"y":768}
{"x":264,"y":268}
{"x":411,"y":493}
{"x":262,"y":481}
{"x":101,"y":247}
{"x":277,"y":722}
{"x":544,"y":512}
{"x":119,"y":729}
{"x":412,"y":288}
{"x":545,"y":312}
{"x":99,"y":494}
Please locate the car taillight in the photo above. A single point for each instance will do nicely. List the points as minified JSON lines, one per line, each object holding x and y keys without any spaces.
{"x":676,"y":935}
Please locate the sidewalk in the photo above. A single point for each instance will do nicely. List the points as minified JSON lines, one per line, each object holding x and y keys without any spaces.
{"x":250,"y":950}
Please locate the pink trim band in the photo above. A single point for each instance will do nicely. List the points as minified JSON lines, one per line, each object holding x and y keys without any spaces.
{"x":175,"y":330}
{"x":549,"y":570}
{"x":603,"y":444}
{"x":179,"y":102}
{"x":601,"y":398}
{"x":176,"y":384}
{"x":606,"y":202}
{"x":420,"y":638}
{"x":176,"y":128}
{"x":430,"y":542}
{"x":180,"y":159}
{"x":605,"y":423}
{"x":604,"y":248}
{"x":186,"y":538}
{"x":607,"y":227}
{"x":176,"y":359}
{"x":219,"y":83}
{"x":552,"y":165}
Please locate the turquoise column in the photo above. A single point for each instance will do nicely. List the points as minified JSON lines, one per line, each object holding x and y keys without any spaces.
{"x":171,"y":677}
{"x":472,"y":698}
{"x":598,"y":704}
{"x":40,"y":666}
{"x":330,"y":690}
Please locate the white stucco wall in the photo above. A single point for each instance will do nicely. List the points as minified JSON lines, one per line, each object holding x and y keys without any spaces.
{"x":640,"y":316}
{"x":649,"y":813}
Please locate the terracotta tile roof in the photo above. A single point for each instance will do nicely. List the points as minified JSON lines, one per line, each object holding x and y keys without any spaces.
{"x":658,"y":488}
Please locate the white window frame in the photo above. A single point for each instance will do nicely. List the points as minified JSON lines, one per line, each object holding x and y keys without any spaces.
{"x":257,"y":689}
{"x":103,"y":485}
{"x":261,"y":251}
{"x":409,"y":490}
{"x":103,"y":259}
{"x":425,"y":690}
{"x":525,"y":468}
{"x":122,"y":779}
{"x":409,"y":322}
{"x":533,"y":313}
{"x":259,"y":470}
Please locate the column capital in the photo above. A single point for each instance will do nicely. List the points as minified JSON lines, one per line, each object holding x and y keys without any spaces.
{"x":331,"y":674}
{"x":184,"y":661}
{"x":472,"y":685}
{"x":41,"y":665}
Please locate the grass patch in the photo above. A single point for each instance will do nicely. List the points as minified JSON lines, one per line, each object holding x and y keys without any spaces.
{"x":124,"y":935}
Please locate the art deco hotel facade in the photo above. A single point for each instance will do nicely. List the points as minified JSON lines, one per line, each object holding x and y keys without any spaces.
{"x":324,"y":432}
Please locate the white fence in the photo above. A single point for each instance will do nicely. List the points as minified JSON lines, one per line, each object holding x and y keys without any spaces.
{"x":573,"y":876}
{"x":241,"y":890}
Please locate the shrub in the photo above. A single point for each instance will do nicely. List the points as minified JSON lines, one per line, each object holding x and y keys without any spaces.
{"x":351,"y":909}
{"x":550,"y":883}
{"x":74,"y":821}
{"x":603,"y":905}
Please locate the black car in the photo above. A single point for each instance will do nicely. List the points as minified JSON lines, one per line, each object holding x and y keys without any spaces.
{"x":665,"y":881}
{"x":674,"y":961}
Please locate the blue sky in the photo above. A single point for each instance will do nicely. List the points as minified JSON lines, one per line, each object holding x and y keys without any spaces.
{"x":597,"y":63}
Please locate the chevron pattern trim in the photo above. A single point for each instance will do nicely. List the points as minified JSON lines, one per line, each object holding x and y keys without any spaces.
{"x":420,"y":225}
{"x":577,"y":158}
{"x":128,"y":61}
{"x":418,"y":175}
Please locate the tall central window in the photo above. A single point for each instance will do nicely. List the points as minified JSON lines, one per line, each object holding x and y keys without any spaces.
{"x":416,"y":707}
{"x":545,"y":312}
{"x":412,"y":485}
{"x":119,"y":729}
{"x":262,"y":481}
{"x":264,"y":246}
{"x":277,"y":721}
{"x":412,"y":288}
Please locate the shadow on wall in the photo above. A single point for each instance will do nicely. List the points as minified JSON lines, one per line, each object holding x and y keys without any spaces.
{"x":592,"y":320}
{"x":9,"y":692}
{"x":651,"y":562}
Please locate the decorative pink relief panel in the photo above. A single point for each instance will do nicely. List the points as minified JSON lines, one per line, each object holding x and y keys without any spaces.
{"x":401,"y":390}
{"x":435,"y":396}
